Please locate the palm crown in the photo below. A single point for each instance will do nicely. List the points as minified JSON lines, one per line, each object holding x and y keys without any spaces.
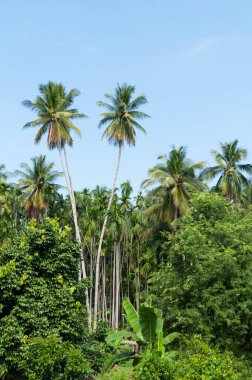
{"x":174,"y":178}
{"x":37,"y":182}
{"x":229,"y":169}
{"x":55,"y":114}
{"x":122,"y":115}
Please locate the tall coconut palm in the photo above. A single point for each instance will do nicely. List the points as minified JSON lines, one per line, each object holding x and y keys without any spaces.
{"x":172,"y":182}
{"x":121,"y":125}
{"x":229,"y":170}
{"x":36,"y":183}
{"x":55,"y":114}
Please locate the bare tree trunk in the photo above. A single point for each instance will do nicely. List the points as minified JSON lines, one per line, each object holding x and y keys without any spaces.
{"x":97,"y":268}
{"x":137,"y":280}
{"x":114,"y":288}
{"x":117,"y":283}
{"x":104,"y":303}
{"x":111,"y":290}
{"x":77,"y":231}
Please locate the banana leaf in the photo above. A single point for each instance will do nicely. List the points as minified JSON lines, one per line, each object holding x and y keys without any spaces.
{"x":132,"y":318}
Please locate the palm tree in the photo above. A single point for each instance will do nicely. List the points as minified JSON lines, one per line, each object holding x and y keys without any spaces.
{"x":36,"y":183}
{"x":121,"y":120}
{"x":55,"y":115}
{"x":173,"y":180}
{"x":229,"y":170}
{"x":3,"y":187}
{"x":3,"y":174}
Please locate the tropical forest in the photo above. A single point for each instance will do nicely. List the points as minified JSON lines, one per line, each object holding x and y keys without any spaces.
{"x":107,"y":283}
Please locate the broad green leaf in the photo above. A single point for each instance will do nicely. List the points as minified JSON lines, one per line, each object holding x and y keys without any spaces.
{"x":132,"y":318}
{"x":151,"y":322}
{"x":116,"y":338}
{"x":160,"y":342}
{"x":122,"y":356}
{"x":170,"y":338}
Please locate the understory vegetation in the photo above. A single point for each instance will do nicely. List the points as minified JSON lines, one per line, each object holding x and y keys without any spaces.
{"x":109,"y":284}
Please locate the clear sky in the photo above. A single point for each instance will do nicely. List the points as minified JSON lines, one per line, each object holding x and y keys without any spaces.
{"x":191,"y":58}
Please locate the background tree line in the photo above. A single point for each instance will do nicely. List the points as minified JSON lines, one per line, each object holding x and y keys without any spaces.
{"x":180,"y":243}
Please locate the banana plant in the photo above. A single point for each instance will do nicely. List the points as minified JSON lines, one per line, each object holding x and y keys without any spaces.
{"x":147,"y":335}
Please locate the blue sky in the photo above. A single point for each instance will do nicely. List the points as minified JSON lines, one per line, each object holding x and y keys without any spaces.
{"x":192,"y":59}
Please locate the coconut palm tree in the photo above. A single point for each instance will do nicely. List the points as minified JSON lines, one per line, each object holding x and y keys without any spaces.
{"x":3,"y":174}
{"x":36,"y":183}
{"x":229,"y":170}
{"x":3,"y":187}
{"x":172,"y":182}
{"x":121,"y":125}
{"x":55,"y":114}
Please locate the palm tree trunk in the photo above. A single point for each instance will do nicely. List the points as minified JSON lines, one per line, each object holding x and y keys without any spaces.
{"x":229,"y":194}
{"x":97,"y":268}
{"x":114,"y":288}
{"x":117,"y":283}
{"x":77,"y":231}
{"x":137,"y":280}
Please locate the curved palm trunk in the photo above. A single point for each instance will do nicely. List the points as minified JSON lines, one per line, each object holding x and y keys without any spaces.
{"x":77,"y":230}
{"x":97,"y":266}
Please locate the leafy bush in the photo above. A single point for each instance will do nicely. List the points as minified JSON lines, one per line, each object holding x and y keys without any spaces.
{"x":43,"y":327}
{"x":50,"y":358}
{"x":196,"y":362}
{"x":154,"y":367}
{"x":199,"y":361}
{"x":205,"y":285}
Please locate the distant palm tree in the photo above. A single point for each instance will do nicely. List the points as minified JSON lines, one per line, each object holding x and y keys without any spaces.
{"x":36,"y":183}
{"x":173,"y":180}
{"x":229,"y":170}
{"x":3,"y":187}
{"x":3,"y":174}
{"x":55,"y":115}
{"x":121,"y":120}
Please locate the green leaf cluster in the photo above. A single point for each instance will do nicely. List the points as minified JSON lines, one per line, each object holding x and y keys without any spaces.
{"x":205,"y":287}
{"x":43,"y":332}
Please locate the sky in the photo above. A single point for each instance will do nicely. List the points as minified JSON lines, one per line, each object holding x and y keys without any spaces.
{"x":192,"y":60}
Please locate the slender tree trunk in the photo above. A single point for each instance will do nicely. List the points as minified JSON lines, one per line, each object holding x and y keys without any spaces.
{"x":137,"y":280}
{"x":77,"y":231}
{"x":117,"y":283}
{"x":104,"y":303}
{"x":114,"y":288}
{"x":97,"y":268}
{"x":111,"y":290}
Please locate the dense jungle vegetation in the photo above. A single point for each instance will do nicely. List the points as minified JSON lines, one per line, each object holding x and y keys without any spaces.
{"x":108,"y":284}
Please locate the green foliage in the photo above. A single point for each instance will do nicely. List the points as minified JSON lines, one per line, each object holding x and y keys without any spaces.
{"x":122,"y":115}
{"x":232,"y":179}
{"x":205,"y":286}
{"x":50,"y":358}
{"x":197,"y":361}
{"x":118,"y":373}
{"x":37,"y":183}
{"x":55,"y":114}
{"x":148,"y":333}
{"x":153,"y":367}
{"x":174,"y":180}
{"x":43,"y":322}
